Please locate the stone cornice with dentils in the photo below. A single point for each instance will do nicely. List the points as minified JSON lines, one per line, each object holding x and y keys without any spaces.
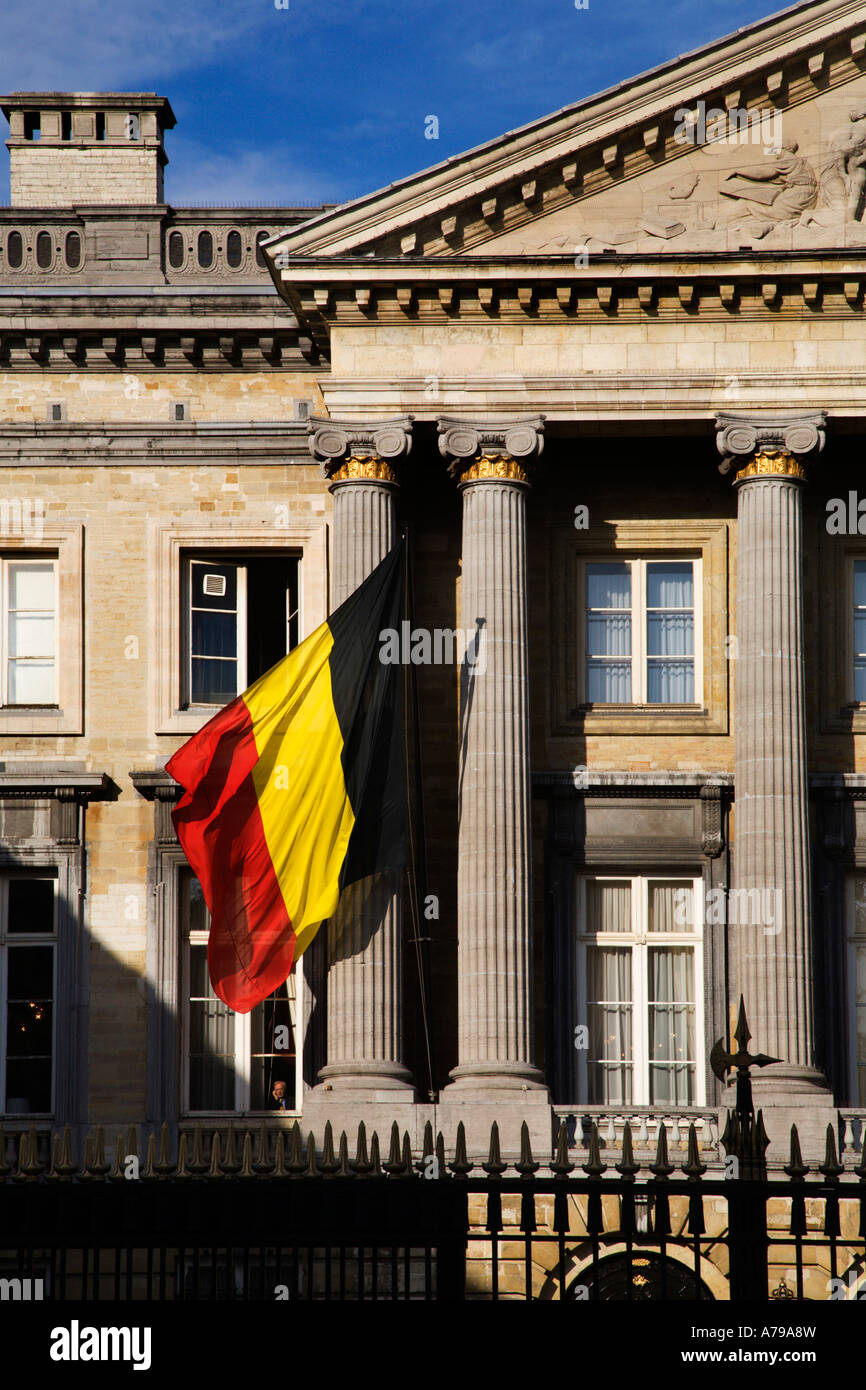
{"x":621,"y":133}
{"x":790,"y":285}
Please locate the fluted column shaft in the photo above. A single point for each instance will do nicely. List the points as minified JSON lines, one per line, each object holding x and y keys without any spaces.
{"x":495,"y":955}
{"x":364,"y":937}
{"x":771,"y":854}
{"x":769,"y":913}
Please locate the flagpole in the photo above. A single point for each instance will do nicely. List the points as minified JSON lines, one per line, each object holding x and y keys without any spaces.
{"x":417,"y":865}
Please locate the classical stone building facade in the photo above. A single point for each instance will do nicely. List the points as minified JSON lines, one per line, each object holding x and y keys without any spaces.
{"x":609,"y":370}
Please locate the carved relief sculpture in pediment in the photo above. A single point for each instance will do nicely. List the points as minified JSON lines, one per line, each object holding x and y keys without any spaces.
{"x":789,"y":179}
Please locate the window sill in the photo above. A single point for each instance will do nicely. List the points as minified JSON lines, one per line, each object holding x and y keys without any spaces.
{"x":39,"y":719}
{"x":643,"y":719}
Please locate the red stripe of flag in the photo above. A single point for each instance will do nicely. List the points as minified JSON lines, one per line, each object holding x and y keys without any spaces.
{"x":251,"y":944}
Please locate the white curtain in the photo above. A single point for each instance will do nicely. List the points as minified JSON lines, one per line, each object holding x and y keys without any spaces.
{"x":211,"y":1041}
{"x":670,"y":633}
{"x":672,"y":1025}
{"x":608,"y":906}
{"x":671,"y":907}
{"x":610,"y":1025}
{"x":608,"y":634}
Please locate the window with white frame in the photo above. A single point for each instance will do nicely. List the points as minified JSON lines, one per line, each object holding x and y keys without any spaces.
{"x":640,"y":987}
{"x":29,"y":637}
{"x":28,"y":941}
{"x":642,"y":625}
{"x":240,"y":617}
{"x":231,"y":1061}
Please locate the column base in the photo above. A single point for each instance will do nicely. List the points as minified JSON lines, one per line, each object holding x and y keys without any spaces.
{"x":367,"y":1079}
{"x":497,"y":1077}
{"x":790,"y":1095}
{"x":786,"y":1084}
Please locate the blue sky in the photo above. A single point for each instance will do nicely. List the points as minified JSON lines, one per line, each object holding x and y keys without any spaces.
{"x":327,"y":99}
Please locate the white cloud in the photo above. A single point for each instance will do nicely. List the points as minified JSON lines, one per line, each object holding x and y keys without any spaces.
{"x":268,"y":174}
{"x":87,"y":45}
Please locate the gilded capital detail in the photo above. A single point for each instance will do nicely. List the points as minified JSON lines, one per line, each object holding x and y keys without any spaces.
{"x":776,"y":463}
{"x":495,"y":466}
{"x":360,"y":450}
{"x":769,"y":446}
{"x":359,"y":467}
{"x":491,"y":450}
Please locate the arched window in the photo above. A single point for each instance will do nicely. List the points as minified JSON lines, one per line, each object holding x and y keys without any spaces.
{"x":44,"y":250}
{"x":234,"y":249}
{"x":175,"y":250}
{"x":205,"y":250}
{"x":15,"y":250}
{"x":73,"y":250}
{"x":260,"y":255}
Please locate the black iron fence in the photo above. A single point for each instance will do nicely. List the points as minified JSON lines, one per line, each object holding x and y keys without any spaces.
{"x":265,"y":1218}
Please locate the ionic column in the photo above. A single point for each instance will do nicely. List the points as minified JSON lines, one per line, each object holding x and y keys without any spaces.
{"x":364,"y":938}
{"x":773,"y":954}
{"x":495,"y":958}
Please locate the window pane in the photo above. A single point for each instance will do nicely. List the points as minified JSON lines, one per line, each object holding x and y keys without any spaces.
{"x":31,"y":683}
{"x":860,"y":680}
{"x":211,"y":1041}
{"x":214,"y":586}
{"x":608,"y":635}
{"x":671,"y":1025}
{"x":269,"y":1063}
{"x":214,"y":634}
{"x":213,"y":682}
{"x":31,"y":905}
{"x":669,"y":585}
{"x":608,"y":906}
{"x":31,"y":587}
{"x":28,"y":1029}
{"x":608,"y":586}
{"x":609,"y":1064}
{"x":28,"y":1085}
{"x":860,"y":634}
{"x":670,"y":682}
{"x":671,"y":906}
{"x":860,"y":583}
{"x":29,"y":636}
{"x":608,"y":682}
{"x":670,"y":634}
{"x":31,"y":973}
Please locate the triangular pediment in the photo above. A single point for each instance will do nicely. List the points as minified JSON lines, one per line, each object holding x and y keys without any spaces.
{"x":776,"y":161}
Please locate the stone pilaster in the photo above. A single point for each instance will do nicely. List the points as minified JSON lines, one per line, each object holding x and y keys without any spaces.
{"x":771,"y":947}
{"x":495,"y":959}
{"x":364,"y":938}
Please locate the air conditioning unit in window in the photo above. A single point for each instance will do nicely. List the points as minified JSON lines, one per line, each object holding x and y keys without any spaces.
{"x":215,"y":585}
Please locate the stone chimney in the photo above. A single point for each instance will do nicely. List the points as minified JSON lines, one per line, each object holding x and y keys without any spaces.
{"x":72,"y":148}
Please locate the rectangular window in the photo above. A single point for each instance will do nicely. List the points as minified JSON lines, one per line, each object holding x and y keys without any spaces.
{"x":640,"y":968}
{"x":29,"y":639}
{"x":28,"y":941}
{"x":240,"y":619}
{"x":232,"y":1061}
{"x":642,"y":622}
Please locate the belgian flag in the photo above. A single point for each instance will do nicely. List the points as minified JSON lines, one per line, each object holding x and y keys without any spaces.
{"x":295,"y":790}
